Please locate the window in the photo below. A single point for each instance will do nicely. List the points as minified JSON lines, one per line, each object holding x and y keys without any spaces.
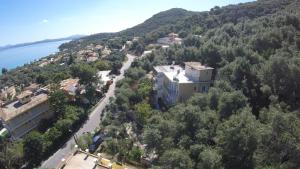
{"x":203,"y":89}
{"x":195,"y":88}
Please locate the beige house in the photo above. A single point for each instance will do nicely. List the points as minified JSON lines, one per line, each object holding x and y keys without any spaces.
{"x":174,"y":84}
{"x":171,"y":39}
{"x":24,"y":97}
{"x":24,"y":115}
{"x":70,"y":87}
{"x":84,"y":160}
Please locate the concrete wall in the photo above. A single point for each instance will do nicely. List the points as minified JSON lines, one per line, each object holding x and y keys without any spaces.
{"x":198,"y":75}
{"x":205,"y":75}
{"x":29,"y":120}
{"x":186,"y":90}
{"x":191,"y":73}
{"x":172,"y":92}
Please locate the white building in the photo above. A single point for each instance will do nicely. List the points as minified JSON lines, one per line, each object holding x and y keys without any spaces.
{"x":175,"y":84}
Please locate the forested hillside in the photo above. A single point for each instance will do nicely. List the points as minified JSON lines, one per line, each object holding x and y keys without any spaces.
{"x":162,"y":19}
{"x":250,"y":117}
{"x":185,"y":22}
{"x":158,"y":21}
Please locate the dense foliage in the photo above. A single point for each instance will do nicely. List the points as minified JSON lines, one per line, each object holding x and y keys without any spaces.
{"x":250,"y":118}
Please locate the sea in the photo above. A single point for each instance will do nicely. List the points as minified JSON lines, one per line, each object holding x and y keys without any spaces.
{"x":18,"y":56}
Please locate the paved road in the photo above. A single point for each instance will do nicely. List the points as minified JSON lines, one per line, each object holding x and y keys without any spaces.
{"x":91,"y":123}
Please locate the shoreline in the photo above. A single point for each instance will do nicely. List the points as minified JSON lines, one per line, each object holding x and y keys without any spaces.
{"x":13,"y":58}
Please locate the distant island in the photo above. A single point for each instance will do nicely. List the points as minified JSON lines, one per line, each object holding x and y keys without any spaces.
{"x":73,"y":37}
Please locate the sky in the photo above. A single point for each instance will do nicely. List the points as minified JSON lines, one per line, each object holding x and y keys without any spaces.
{"x":32,"y":20}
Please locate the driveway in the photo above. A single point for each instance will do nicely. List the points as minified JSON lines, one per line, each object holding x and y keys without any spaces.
{"x":92,"y":122}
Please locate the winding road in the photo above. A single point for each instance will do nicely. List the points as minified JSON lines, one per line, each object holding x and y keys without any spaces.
{"x":92,"y":122}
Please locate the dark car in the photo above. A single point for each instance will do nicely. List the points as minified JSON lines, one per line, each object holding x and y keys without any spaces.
{"x":97,"y":140}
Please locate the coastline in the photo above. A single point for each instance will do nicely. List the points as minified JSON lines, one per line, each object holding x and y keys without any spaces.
{"x":19,"y":56}
{"x":73,"y":37}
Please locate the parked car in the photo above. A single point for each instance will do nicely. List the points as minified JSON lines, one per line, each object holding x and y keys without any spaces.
{"x":97,"y":140}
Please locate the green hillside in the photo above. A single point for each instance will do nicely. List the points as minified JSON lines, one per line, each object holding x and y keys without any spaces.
{"x":250,"y":117}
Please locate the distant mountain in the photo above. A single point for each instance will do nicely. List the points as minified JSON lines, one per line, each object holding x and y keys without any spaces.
{"x":187,"y":22}
{"x":73,"y":37}
{"x":157,"y":21}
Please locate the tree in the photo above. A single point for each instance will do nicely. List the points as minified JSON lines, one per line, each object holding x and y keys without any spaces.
{"x":41,"y":79}
{"x":211,"y":54}
{"x":142,"y":112}
{"x":11,"y":155}
{"x":152,"y":138}
{"x":59,"y":76}
{"x":84,"y":141}
{"x":112,"y":146}
{"x":135,"y":73}
{"x":135,"y":153}
{"x":85,"y":72}
{"x":199,"y":100}
{"x":116,"y":65}
{"x":64,"y":125}
{"x":210,"y":159}
{"x":230,"y":103}
{"x":90,"y":93}
{"x":175,"y":159}
{"x":238,"y":137}
{"x":58,"y":100}
{"x":102,"y":65}
{"x":282,"y":75}
{"x":280,"y":139}
{"x":33,"y":148}
{"x":71,"y":60}
{"x":72,"y":113}
{"x":52,"y":138}
{"x":144,"y":88}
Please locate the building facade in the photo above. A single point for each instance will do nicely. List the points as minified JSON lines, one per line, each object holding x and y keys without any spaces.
{"x":171,"y":39}
{"x":24,"y":114}
{"x":70,"y":87}
{"x":174,"y":84}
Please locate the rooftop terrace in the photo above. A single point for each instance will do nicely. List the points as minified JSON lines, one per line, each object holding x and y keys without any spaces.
{"x":197,"y":66}
{"x":178,"y":74}
{"x":69,"y":85}
{"x":173,"y":73}
{"x":168,"y":68}
{"x":16,"y":108}
{"x":24,"y":94}
{"x":83,"y":160}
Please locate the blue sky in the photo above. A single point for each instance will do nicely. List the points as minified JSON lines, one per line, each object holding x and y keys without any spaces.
{"x":32,"y":20}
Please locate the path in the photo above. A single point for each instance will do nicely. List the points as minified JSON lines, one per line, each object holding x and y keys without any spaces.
{"x":92,"y":122}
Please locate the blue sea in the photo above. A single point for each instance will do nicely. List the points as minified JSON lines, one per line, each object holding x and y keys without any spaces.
{"x":14,"y":57}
